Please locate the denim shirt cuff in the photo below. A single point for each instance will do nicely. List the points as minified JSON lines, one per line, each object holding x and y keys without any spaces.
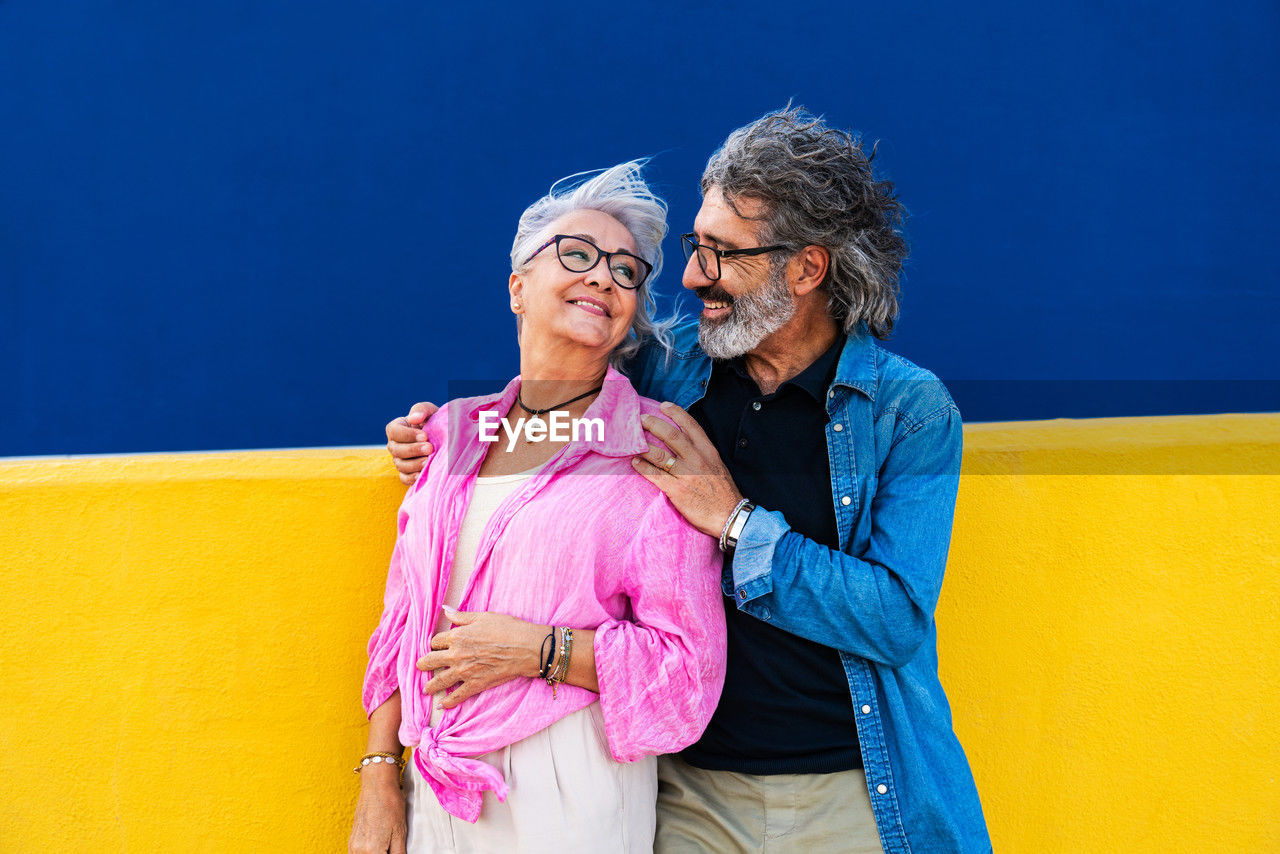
{"x":753,"y":556}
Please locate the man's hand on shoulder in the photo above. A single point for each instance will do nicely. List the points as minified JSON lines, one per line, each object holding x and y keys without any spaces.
{"x":689,"y":471}
{"x":407,"y":442}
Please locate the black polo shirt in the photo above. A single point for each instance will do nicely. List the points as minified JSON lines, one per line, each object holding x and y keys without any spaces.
{"x":786,"y":707}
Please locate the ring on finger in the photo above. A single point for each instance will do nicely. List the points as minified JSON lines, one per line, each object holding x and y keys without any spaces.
{"x":666,"y":464}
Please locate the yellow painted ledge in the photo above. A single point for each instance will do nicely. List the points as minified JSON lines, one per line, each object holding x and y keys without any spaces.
{"x":182,"y":647}
{"x":183,"y":639}
{"x":1180,"y":444}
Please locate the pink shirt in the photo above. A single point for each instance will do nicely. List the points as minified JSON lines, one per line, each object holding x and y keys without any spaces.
{"x":586,"y":543}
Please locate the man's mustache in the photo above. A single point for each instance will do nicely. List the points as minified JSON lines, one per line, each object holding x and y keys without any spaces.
{"x":712,"y":294}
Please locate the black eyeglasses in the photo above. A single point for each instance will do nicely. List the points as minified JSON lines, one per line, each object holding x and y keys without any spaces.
{"x":578,"y":255}
{"x":709,"y":258}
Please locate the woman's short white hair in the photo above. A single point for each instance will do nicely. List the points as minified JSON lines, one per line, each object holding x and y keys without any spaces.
{"x":620,"y":192}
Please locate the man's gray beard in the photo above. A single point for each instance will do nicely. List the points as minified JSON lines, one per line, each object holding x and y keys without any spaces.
{"x":752,"y":318}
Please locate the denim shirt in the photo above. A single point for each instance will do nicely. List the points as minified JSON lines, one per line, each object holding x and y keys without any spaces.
{"x":893,"y":441}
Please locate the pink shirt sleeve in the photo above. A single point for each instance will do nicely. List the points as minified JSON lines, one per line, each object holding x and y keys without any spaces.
{"x":380,"y":678}
{"x":661,"y":672}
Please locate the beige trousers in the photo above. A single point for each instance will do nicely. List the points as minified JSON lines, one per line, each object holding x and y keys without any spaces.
{"x":723,"y":812}
{"x":567,"y":795}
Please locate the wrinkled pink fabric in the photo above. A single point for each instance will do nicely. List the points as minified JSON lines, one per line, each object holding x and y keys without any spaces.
{"x":587,"y":543}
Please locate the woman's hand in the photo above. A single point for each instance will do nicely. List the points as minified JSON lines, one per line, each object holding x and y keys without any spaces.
{"x":483,"y":649}
{"x":380,"y":826}
{"x":408,"y":444}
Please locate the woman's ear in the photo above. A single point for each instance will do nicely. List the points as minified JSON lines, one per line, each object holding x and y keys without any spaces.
{"x":516,"y":286}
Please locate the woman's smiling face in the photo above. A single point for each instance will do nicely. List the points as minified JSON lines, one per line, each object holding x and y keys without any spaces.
{"x":588,"y":309}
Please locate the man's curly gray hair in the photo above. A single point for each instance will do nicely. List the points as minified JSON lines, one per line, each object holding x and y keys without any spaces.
{"x":620,"y":192}
{"x":818,"y":189}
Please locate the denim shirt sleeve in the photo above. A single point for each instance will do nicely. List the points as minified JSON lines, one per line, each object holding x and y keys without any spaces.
{"x":878,"y":604}
{"x":640,"y":369}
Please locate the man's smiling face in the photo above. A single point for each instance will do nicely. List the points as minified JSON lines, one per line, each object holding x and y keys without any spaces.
{"x":752,"y":298}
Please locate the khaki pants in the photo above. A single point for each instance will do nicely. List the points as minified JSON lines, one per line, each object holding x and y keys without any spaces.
{"x":723,"y":811}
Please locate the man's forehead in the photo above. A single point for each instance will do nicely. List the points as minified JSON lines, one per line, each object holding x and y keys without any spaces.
{"x":717,"y":221}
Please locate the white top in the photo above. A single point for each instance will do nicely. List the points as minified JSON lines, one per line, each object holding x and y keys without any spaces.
{"x":487,"y":497}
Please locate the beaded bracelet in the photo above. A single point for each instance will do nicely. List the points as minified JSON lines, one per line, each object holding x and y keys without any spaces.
{"x":374,"y":758}
{"x":557,"y":673}
{"x":562,"y":666}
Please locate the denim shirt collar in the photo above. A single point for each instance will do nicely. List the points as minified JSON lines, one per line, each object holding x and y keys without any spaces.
{"x":857,"y":366}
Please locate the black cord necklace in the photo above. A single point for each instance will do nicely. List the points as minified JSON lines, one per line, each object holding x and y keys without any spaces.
{"x":539,"y":412}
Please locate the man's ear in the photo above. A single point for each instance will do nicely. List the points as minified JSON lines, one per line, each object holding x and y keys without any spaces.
{"x":807,"y":269}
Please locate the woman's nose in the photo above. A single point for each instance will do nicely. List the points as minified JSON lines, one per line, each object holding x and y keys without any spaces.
{"x":600,"y":276}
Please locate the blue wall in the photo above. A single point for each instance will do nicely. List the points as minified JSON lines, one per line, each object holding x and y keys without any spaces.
{"x":252,"y":224}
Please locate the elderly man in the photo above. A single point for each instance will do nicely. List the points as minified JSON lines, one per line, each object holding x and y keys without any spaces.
{"x":828,"y":468}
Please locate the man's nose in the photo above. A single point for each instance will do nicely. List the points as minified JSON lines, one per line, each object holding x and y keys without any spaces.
{"x":693,"y":276}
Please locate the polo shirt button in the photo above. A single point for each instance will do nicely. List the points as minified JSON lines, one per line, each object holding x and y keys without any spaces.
{"x":742,"y":594}
{"x":838,"y":427}
{"x":866,"y":710}
{"x":882,"y":789}
{"x":846,"y":501}
{"x":756,"y":406}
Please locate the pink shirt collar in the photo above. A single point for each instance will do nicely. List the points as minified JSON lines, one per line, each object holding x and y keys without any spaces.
{"x":617,"y":406}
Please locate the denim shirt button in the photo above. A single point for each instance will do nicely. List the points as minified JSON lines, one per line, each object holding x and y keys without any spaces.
{"x":866,"y":710}
{"x":838,"y":427}
{"x":846,"y":501}
{"x":742,"y":594}
{"x":882,"y":789}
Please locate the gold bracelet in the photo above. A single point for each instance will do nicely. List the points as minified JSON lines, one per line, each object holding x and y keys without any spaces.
{"x":375,"y":758}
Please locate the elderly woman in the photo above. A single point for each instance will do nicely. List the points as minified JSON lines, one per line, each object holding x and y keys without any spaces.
{"x":534,"y":563}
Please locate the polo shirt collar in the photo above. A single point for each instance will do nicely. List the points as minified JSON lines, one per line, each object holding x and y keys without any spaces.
{"x":813,"y":379}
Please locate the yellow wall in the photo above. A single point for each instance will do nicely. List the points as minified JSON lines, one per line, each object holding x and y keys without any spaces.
{"x":182,"y":640}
